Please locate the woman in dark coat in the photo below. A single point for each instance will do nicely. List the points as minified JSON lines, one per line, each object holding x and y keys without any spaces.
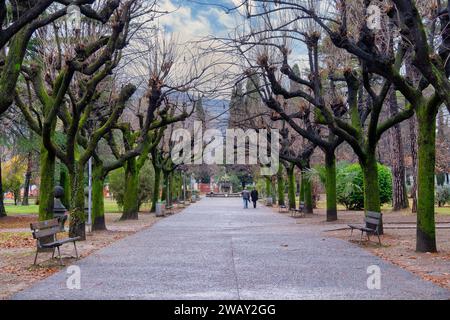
{"x":254,"y":196}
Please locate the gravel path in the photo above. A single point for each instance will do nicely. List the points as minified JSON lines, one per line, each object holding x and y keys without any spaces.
{"x":217,"y":250}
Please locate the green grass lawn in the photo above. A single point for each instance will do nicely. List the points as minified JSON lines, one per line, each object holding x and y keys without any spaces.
{"x":443,"y":210}
{"x":31,"y":209}
{"x":110,"y":207}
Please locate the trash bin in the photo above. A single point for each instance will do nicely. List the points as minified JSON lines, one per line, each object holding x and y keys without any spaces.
{"x":160,"y":208}
{"x":269,"y":201}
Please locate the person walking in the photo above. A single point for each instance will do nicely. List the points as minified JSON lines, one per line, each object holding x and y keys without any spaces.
{"x":254,"y":196}
{"x":245,"y":197}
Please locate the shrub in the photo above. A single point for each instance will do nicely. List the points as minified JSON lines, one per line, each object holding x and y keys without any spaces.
{"x":442,"y":195}
{"x":350,"y":186}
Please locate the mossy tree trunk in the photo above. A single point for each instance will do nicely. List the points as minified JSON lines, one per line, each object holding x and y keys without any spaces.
{"x":371,"y":186}
{"x":307,"y":194}
{"x":64,"y":182}
{"x":280,"y":186}
{"x":426,"y":233}
{"x":330,"y":185}
{"x":273,"y":189}
{"x":156,"y":187}
{"x":268,"y":186}
{"x":179,"y":186}
{"x":131,"y":197}
{"x":301,"y":194}
{"x":47,"y":185}
{"x":172,"y":188}
{"x":165,"y":191}
{"x":369,"y":168}
{"x":98,"y":205}
{"x":77,"y":215}
{"x":11,"y":68}
{"x":291,"y":186}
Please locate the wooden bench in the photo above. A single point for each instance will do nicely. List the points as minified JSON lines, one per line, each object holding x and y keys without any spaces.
{"x":300,"y":212}
{"x":45,"y":233}
{"x":372,"y":225}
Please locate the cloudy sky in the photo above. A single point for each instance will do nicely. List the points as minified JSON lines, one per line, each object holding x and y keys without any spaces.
{"x":191,"y":19}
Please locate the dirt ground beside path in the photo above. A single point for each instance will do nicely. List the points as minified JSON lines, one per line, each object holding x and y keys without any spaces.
{"x":398,"y":242}
{"x":17,"y":249}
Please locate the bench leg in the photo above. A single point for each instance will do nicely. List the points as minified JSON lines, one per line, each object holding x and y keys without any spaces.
{"x":53,"y":253}
{"x":362,"y":233}
{"x":35,"y":257}
{"x":75,"y":246}
{"x":379,"y":240}
{"x":59,"y":254}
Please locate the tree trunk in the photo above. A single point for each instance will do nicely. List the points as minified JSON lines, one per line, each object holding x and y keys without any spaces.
{"x":26,"y":185}
{"x":173,"y":187}
{"x":179,"y":186}
{"x":131,"y":197}
{"x":413,"y":143}
{"x":280,"y":186}
{"x":330,"y":185}
{"x":2,"y":203}
{"x":301,"y":194}
{"x":98,"y":204}
{"x":291,"y":186}
{"x":400,"y":196}
{"x":426,"y":237}
{"x":268,"y":187}
{"x":47,"y":185}
{"x":165,"y":187}
{"x":16,"y":197}
{"x":371,"y":185}
{"x":77,"y":214}
{"x":64,"y":181}
{"x":413,"y":76}
{"x":307,"y":194}
{"x":273,"y":188}
{"x":157,"y":182}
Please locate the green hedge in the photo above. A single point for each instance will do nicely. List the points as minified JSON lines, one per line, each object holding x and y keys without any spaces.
{"x":350,"y":186}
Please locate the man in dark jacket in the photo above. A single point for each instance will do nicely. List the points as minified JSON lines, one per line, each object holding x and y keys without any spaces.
{"x":254,"y":195}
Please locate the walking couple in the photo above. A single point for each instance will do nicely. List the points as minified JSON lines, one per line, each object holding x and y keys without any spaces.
{"x":246,"y":196}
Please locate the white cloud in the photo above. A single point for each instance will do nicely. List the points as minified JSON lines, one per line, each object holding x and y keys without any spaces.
{"x":182,"y":23}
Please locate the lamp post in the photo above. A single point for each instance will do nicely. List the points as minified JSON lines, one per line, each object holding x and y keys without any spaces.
{"x":184,"y":187}
{"x":90,"y":195}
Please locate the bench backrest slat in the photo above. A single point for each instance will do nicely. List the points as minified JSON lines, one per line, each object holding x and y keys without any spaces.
{"x":375,"y":215}
{"x":41,"y":225}
{"x":46,"y":232}
{"x":46,"y":228}
{"x":373,"y":219}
